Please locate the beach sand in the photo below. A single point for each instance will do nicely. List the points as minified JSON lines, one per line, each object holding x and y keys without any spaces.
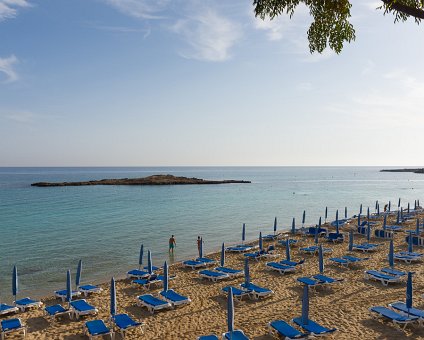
{"x":344,"y":306}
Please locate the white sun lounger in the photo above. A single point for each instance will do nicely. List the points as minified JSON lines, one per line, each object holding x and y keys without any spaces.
{"x":213,"y":275}
{"x":27,"y":303}
{"x":152,"y":303}
{"x":385,"y":279}
{"x":12,"y":326}
{"x":81,"y":307}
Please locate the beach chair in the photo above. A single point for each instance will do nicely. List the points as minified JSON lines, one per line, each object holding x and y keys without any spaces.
{"x":230,"y":271}
{"x":411,"y":253}
{"x":394,"y":228}
{"x":392,"y":271}
{"x":207,"y":261}
{"x":6,"y":309}
{"x":416,"y":240}
{"x":281,"y":268}
{"x":384,"y":234}
{"x":12,"y":326}
{"x":137,"y":274}
{"x":271,"y":237}
{"x":365,"y":247}
{"x":257,"y":292}
{"x":89,"y":289}
{"x":314,"y":328}
{"x":235,"y":335}
{"x":149,"y":282}
{"x":61,"y":294}
{"x":193,"y":264}
{"x":152,"y":303}
{"x":55,"y":311}
{"x":399,"y":319}
{"x":406,"y":258}
{"x":213,"y":276}
{"x":125,"y":323}
{"x":310,"y":282}
{"x":208,"y":337}
{"x":238,"y":294}
{"x":292,"y":242}
{"x":385,"y":279}
{"x":239,"y":248}
{"x":174,"y":298}
{"x":354,"y":259}
{"x":293,"y":263}
{"x":340,"y":261}
{"x":27,"y":303}
{"x":335,"y":237}
{"x":326,"y":279}
{"x":97,"y":329}
{"x":81,"y":308}
{"x":281,"y":329}
{"x":314,"y":250}
{"x":401,"y":306}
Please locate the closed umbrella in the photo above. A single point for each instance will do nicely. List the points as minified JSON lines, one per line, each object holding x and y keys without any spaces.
{"x":293,"y":229}
{"x":408,"y":208}
{"x":368,"y":213}
{"x":398,"y":218}
{"x":78,"y":276}
{"x":351,"y":240}
{"x":337,"y":226}
{"x":409,"y":292}
{"x":378,"y":209}
{"x":415,"y":205}
{"x":391,"y":255}
{"x":305,"y":305}
{"x":246,"y":272}
{"x":149,"y":262}
{"x":384,"y":222}
{"x":337,"y":214}
{"x":359,"y":220}
{"x":243,"y":233}
{"x":260,"y":242}
{"x":360,"y":209}
{"x":223,"y":255}
{"x":316,"y":235}
{"x":230,"y":312}
{"x":112,"y":297}
{"x":390,"y":206}
{"x":368,"y":232}
{"x":410,"y":243}
{"x":165,"y":277}
{"x":321,"y":259}
{"x":201,"y":248}
{"x":376,"y":206}
{"x":303,"y":218}
{"x":399,"y":203}
{"x":345,"y":212}
{"x":68,"y":287}
{"x":326,"y":214}
{"x":417,"y":229}
{"x":275,"y":225}
{"x":288,"y":250}
{"x":140,"y":257}
{"x":15,"y":284}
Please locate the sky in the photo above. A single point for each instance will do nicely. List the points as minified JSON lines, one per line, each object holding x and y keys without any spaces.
{"x":203,"y":83}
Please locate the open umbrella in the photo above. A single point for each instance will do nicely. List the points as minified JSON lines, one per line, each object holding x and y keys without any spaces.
{"x":261,"y":246}
{"x":409,"y":292}
{"x":275,"y":225}
{"x":68,"y":287}
{"x":410,"y":244}
{"x":391,"y":255}
{"x":288,"y":250}
{"x":140,"y":257}
{"x":351,"y":240}
{"x":293,"y":229}
{"x":15,"y":284}
{"x":112,"y":297}
{"x":165,"y":277}
{"x":326,"y":214}
{"x":321,"y":259}
{"x":230,"y":312}
{"x":243,"y":233}
{"x":223,"y":255}
{"x":305,"y":305}
{"x":78,"y":276}
{"x":303,"y":218}
{"x":149,"y":262}
{"x":246,"y":272}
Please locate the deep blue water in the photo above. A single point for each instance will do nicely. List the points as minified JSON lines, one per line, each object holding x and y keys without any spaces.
{"x":45,"y":231}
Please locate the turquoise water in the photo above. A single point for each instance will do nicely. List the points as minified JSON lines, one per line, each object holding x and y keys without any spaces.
{"x":45,"y":231}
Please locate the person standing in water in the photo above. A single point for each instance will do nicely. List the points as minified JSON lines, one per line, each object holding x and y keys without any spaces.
{"x":172,"y":244}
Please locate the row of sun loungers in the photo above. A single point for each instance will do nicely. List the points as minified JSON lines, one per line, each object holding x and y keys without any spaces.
{"x":399,"y":314}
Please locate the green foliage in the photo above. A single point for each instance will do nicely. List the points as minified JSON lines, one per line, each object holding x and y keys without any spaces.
{"x":330,"y":26}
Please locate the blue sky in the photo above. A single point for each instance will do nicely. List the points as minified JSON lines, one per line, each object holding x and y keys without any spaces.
{"x":136,"y":82}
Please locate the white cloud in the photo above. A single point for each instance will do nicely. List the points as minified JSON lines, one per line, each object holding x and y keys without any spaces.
{"x":142,"y":9}
{"x":209,"y":36}
{"x":23,"y":117}
{"x":6,"y":67}
{"x":275,"y":29}
{"x":9,"y":8}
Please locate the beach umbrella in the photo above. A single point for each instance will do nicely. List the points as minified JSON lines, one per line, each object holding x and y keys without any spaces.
{"x":415,"y":205}
{"x":165,"y":277}
{"x":368,"y":232}
{"x":351,"y":240}
{"x":368,"y":213}
{"x":410,"y":244}
{"x":390,"y":206}
{"x":140,"y":257}
{"x":337,"y":226}
{"x":246,"y":272}
{"x":376,"y":205}
{"x":398,"y":218}
{"x":275,"y":225}
{"x":112,"y":297}
{"x":408,"y":208}
{"x":401,"y":213}
{"x":68,"y":287}
{"x":149,"y":262}
{"x":319,"y":222}
{"x":391,"y":254}
{"x":293,"y":229}
{"x":345,"y":212}
{"x":303,"y":217}
{"x":243,"y":233}
{"x":384,"y":222}
{"x":260,"y":241}
{"x":337,"y":214}
{"x":305,"y":305}
{"x":399,"y":203}
{"x":321,"y":259}
{"x":417,"y":229}
{"x":359,"y":220}
{"x":15,"y":284}
{"x":326,"y":214}
{"x":409,"y":292}
{"x":378,"y":209}
{"x":78,"y":276}
{"x":288,"y":250}
{"x":418,"y":203}
{"x":316,"y":235}
{"x":230,"y":312}
{"x":360,"y":209}
{"x":201,"y":248}
{"x":223,"y":255}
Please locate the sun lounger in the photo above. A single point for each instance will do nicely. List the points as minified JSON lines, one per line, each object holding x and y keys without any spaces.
{"x":397,"y":318}
{"x":281,"y":329}
{"x":12,"y":326}
{"x":293,"y":263}
{"x":406,"y":258}
{"x":174,"y":298}
{"x":239,"y":248}
{"x":213,"y":275}
{"x":125,"y":323}
{"x":257,"y":291}
{"x":238,"y":294}
{"x":385,"y":279}
{"x":334,"y":237}
{"x":314,"y":250}
{"x":89,"y":289}
{"x":271,"y":237}
{"x":281,"y":268}
{"x":411,"y":253}
{"x":154,"y":268}
{"x":206,"y":260}
{"x":314,"y":328}
{"x":416,"y":240}
{"x":364,"y":247}
{"x":27,"y":303}
{"x":81,"y":307}
{"x":151,"y":281}
{"x":381,"y":233}
{"x":61,"y":294}
{"x":259,"y":255}
{"x":340,"y":261}
{"x":354,"y":259}
{"x":311,"y":231}
{"x":52,"y":312}
{"x":208,"y":337}
{"x":392,"y":271}
{"x":193,"y":264}
{"x":235,"y":335}
{"x":394,"y":228}
{"x":97,"y":329}
{"x":230,"y":271}
{"x":152,"y":303}
{"x":401,"y":306}
{"x":6,"y":309}
{"x":327,"y":279}
{"x":341,"y":222}
{"x":292,"y":242}
{"x":137,"y":274}
{"x":309,"y":281}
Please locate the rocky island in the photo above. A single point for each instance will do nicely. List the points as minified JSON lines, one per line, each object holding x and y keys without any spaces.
{"x":415,"y":171}
{"x":150,"y":180}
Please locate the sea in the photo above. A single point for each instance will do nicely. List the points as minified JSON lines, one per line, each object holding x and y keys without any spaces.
{"x":46,"y":231}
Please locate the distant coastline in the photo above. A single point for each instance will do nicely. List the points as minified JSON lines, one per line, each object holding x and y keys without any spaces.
{"x":415,"y":171}
{"x":150,"y":180}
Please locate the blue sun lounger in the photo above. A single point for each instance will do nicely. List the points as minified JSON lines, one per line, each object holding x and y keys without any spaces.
{"x":27,"y":303}
{"x":193,"y":264}
{"x":327,"y":279}
{"x":52,"y":312}
{"x":257,"y":255}
{"x":406,"y":258}
{"x":97,"y":329}
{"x":6,"y":309}
{"x":208,"y":337}
{"x":174,"y":298}
{"x":346,"y":260}
{"x":81,"y":307}
{"x":365,"y":247}
{"x":212,"y":275}
{"x":310,"y":282}
{"x":411,"y":253}
{"x":292,"y":242}
{"x":392,"y":271}
{"x":340,"y":261}
{"x":61,"y":294}
{"x":89,"y":289}
{"x":239,"y":248}
{"x":235,"y":335}
{"x":152,"y":303}
{"x":238,"y":294}
{"x":125,"y":323}
{"x":281,"y":329}
{"x":271,"y":237}
{"x":401,"y":306}
{"x":257,"y":291}
{"x":137,"y":274}
{"x":12,"y":326}
{"x":397,"y":318}
{"x":314,"y":250}
{"x":385,"y":279}
{"x":293,"y":263}
{"x":230,"y":271}
{"x":281,"y":268}
{"x":313,"y":328}
{"x":206,"y":260}
{"x":334,"y":237}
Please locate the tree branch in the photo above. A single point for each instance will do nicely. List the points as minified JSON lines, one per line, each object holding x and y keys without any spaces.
{"x":412,"y":11}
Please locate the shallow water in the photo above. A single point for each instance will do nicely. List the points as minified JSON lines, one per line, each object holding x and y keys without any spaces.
{"x":45,"y":231}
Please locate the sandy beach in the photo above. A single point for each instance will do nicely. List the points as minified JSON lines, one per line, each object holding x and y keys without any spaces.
{"x":344,"y":305}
